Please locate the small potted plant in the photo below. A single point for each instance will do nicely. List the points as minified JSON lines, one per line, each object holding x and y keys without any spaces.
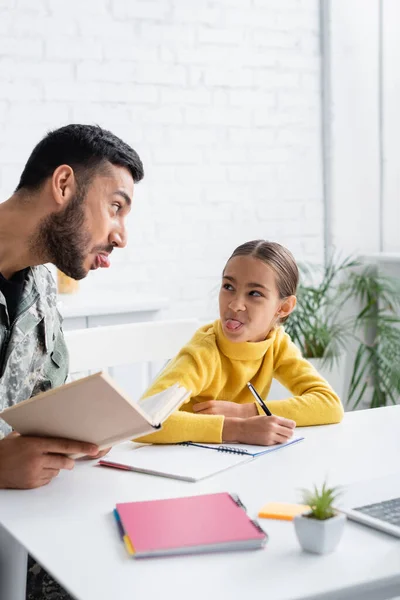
{"x":320,"y":529}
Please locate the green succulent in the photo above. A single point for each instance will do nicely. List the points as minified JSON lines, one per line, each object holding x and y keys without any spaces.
{"x":321,"y":501}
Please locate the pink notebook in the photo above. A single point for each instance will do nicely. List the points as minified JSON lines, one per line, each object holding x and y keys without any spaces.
{"x":194,"y":524}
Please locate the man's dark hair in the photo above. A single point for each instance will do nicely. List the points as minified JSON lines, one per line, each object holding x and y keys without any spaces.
{"x":85,"y":148}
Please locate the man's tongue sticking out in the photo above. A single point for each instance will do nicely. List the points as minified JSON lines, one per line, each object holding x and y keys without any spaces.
{"x":101,"y":261}
{"x":104,"y":261}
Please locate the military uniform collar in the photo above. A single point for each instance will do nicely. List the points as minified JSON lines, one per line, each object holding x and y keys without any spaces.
{"x":38,"y":303}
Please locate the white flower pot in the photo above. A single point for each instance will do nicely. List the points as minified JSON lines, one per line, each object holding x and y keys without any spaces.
{"x":320,"y":537}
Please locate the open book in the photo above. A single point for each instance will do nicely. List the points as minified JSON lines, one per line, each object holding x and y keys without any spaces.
{"x":93,"y":409}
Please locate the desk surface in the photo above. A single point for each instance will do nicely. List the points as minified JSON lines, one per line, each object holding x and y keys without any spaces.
{"x":69,"y":528}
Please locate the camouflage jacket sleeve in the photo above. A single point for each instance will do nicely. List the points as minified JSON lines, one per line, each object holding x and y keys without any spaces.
{"x":33,"y":349}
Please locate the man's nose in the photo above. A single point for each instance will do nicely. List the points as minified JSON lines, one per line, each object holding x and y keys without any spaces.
{"x":118,"y":237}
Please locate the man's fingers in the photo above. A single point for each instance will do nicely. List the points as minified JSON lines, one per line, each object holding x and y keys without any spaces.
{"x":51,"y":473}
{"x":101,"y":453}
{"x":43,"y":481}
{"x":62,"y":446}
{"x":58,"y":461}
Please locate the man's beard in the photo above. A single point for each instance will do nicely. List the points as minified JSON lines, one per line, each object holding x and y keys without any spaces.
{"x":64,"y":239}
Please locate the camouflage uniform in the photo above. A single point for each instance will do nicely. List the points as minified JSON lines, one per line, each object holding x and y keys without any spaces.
{"x":33,"y":358}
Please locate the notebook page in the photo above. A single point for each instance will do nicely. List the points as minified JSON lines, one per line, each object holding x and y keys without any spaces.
{"x":189,"y":463}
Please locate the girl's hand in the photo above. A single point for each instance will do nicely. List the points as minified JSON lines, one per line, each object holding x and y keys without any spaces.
{"x":227,"y":409}
{"x":264,"y":431}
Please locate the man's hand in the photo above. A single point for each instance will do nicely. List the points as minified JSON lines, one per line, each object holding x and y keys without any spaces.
{"x":227,"y":409}
{"x":265,"y":431}
{"x":30,"y":462}
{"x":98,"y":455}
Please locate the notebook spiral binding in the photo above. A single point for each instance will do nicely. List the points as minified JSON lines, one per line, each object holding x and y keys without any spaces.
{"x":258,"y":526}
{"x":238,"y":501}
{"x":228,"y":449}
{"x":231,"y":450}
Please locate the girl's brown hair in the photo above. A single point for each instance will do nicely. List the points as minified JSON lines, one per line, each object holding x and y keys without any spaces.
{"x":279,"y":259}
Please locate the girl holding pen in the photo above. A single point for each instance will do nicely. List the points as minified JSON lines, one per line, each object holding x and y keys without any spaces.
{"x":247,"y":344}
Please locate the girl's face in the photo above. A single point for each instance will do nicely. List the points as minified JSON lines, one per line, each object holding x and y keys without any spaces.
{"x":249,"y":302}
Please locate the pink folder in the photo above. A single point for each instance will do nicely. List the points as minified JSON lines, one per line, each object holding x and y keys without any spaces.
{"x":207,"y":523}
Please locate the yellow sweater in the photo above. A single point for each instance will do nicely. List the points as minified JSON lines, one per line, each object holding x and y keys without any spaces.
{"x":215,"y":368}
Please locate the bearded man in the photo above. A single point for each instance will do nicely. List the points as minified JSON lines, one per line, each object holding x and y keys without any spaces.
{"x":69,"y":209}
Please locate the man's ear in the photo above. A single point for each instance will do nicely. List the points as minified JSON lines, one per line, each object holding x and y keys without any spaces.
{"x":63,"y":185}
{"x":288,"y":305}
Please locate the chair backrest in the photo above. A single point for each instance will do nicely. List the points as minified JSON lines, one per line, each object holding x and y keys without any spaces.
{"x":116,"y":345}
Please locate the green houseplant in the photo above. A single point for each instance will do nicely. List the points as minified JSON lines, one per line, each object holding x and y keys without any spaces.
{"x":377,"y":333}
{"x":371,"y":302}
{"x":320,"y":529}
{"x":317,"y":325}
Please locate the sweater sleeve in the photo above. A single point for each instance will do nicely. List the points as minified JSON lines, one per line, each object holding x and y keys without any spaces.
{"x":314,"y":402}
{"x":192,"y":368}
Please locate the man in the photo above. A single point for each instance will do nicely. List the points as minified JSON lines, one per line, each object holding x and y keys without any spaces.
{"x":69,"y":209}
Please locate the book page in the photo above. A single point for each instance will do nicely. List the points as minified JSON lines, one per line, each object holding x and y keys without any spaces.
{"x":161,"y":405}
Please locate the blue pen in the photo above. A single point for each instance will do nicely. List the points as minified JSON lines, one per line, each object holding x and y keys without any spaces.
{"x":259,"y":400}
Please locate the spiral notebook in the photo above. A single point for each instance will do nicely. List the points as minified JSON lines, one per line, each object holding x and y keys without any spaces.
{"x":187,"y":461}
{"x":188,"y":525}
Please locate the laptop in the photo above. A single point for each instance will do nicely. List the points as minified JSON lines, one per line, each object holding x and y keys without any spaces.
{"x":375,"y":503}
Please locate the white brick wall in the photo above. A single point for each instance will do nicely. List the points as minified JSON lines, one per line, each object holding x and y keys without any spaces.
{"x":221,"y":98}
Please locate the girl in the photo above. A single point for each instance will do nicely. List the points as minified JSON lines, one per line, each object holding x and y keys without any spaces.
{"x":247,"y":343}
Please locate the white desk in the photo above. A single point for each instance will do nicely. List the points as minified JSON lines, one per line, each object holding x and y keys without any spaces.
{"x":69,"y":528}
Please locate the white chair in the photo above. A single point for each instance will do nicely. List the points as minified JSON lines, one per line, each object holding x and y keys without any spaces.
{"x":113,"y":346}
